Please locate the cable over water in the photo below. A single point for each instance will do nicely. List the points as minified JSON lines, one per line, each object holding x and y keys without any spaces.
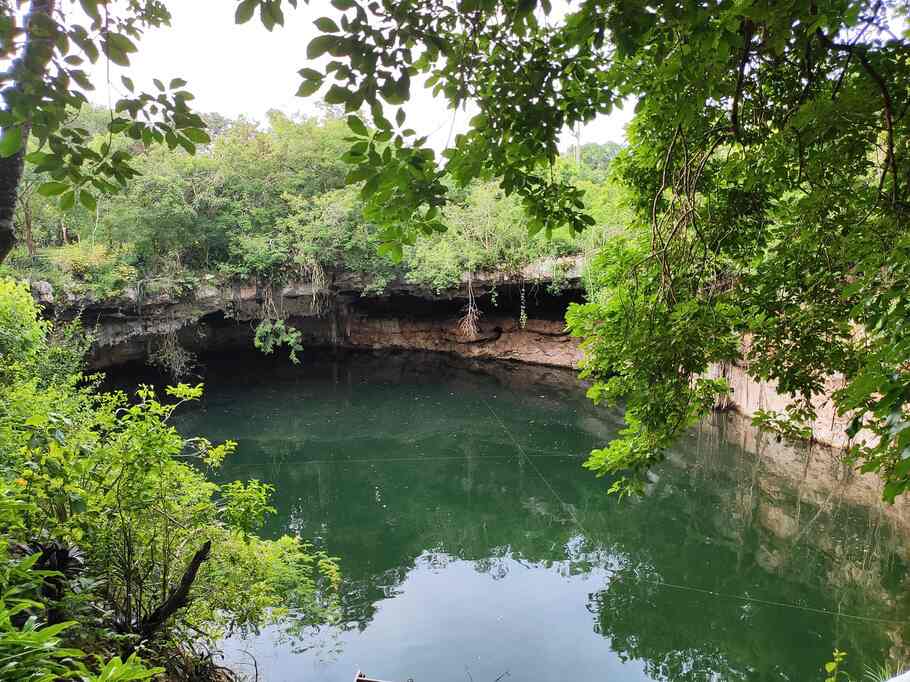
{"x":675,"y":586}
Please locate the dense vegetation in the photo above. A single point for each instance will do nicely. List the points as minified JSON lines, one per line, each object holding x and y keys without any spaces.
{"x":271,"y":203}
{"x":116,"y":541}
{"x":767,"y":170}
{"x":767,"y":166}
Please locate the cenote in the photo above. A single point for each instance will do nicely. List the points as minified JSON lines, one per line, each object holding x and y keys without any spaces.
{"x":475,"y":547}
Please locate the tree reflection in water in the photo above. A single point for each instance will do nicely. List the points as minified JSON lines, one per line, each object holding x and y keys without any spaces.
{"x":393,"y":465}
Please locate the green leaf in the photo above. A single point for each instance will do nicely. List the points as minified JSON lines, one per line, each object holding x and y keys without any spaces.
{"x":326,"y":25}
{"x":310,"y":74}
{"x":121,"y":43}
{"x":399,"y":117}
{"x":88,"y":200}
{"x":307,"y":88}
{"x":38,"y":157}
{"x":128,"y":83}
{"x":337,"y":95}
{"x":52,"y":189}
{"x":68,"y":200}
{"x":245,"y":11}
{"x":117,"y":56}
{"x":197,"y":135}
{"x":186,"y":144}
{"x":370,"y":187}
{"x":10,"y":141}
{"x":358,"y":174}
{"x":391,"y":249}
{"x":357,"y":126}
{"x":343,"y":5}
{"x":90,"y":7}
{"x":319,"y":46}
{"x":478,"y":122}
{"x":271,"y":14}
{"x":177,"y":83}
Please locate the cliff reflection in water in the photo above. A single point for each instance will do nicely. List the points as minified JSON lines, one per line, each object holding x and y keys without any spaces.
{"x":460,"y":554}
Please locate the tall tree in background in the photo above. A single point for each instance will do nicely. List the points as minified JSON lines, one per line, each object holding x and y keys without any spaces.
{"x":47,"y":44}
{"x":768,"y":165}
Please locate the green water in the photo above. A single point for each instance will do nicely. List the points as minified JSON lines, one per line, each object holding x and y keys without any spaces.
{"x":475,"y":547}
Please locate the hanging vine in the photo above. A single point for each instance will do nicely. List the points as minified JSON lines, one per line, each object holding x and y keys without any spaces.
{"x":273,"y":331}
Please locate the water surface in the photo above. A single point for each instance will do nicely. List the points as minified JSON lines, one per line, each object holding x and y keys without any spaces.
{"x":475,"y":548}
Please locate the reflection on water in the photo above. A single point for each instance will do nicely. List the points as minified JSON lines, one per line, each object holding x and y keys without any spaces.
{"x":466,"y":560}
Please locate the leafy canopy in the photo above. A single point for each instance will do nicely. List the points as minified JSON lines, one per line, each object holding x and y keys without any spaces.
{"x":48,"y":48}
{"x":767,"y":168}
{"x":165,"y":556}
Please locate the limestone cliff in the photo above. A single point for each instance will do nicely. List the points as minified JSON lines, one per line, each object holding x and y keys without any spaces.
{"x":521,"y":319}
{"x":519,"y":316}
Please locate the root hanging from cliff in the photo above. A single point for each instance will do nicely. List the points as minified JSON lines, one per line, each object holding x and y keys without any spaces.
{"x":523,"y":313}
{"x":168,"y":355}
{"x":468,"y":325}
{"x":319,"y":281}
{"x":268,"y":309}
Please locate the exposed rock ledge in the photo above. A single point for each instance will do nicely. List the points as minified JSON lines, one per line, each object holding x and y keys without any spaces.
{"x":402,"y":317}
{"x":521,"y":316}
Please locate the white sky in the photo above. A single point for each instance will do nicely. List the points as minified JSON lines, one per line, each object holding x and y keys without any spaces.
{"x":245,"y":70}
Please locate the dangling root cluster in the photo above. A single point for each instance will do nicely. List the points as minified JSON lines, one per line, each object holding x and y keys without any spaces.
{"x":319,"y":281}
{"x":168,"y":355}
{"x":468,"y":325}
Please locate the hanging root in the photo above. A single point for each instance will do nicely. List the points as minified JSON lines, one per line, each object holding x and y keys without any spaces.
{"x":468,"y":326}
{"x":268,"y":310}
{"x":319,"y":280}
{"x":523,"y":312}
{"x":168,"y":355}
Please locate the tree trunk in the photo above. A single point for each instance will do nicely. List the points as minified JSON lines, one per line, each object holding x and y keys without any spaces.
{"x":178,"y":599}
{"x":11,"y":167}
{"x":10,"y":175}
{"x":27,"y":222}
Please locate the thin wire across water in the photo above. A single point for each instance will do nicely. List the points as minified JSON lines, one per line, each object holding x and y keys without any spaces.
{"x":675,"y":586}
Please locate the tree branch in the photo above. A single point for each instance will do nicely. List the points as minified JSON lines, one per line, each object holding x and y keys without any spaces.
{"x":178,"y":599}
{"x":747,"y":31}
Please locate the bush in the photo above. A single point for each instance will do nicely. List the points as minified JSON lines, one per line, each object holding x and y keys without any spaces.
{"x":93,"y":269}
{"x":168,"y":557}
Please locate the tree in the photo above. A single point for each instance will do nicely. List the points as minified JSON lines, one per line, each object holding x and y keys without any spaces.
{"x":767,"y":165}
{"x":45,"y":83}
{"x":598,"y":156}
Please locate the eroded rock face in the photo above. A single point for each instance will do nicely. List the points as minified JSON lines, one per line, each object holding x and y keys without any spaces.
{"x":748,"y":396}
{"x":521,"y":320}
{"x":541,"y":342}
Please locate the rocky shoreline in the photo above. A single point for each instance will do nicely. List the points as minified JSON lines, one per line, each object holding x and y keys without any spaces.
{"x":520,"y":319}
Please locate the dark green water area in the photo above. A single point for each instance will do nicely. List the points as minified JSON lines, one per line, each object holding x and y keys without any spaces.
{"x":476,"y":548}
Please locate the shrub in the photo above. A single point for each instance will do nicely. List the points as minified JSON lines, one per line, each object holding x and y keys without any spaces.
{"x":94,"y":269}
{"x":168,"y":558}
